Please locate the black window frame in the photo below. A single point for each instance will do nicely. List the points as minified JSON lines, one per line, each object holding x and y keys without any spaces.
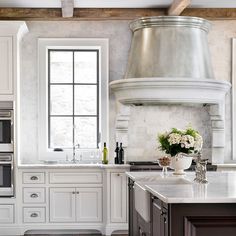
{"x":73,"y":95}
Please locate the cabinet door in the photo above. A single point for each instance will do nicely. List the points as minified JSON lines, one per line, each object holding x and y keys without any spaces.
{"x":6,"y":214}
{"x":118,"y":198}
{"x":89,"y":204}
{"x":6,"y":68}
{"x":157,"y":219}
{"x":62,"y":204}
{"x":133,"y":215}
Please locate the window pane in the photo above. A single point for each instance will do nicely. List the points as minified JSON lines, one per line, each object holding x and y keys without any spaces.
{"x":61,"y":132}
{"x":86,"y":132}
{"x":85,"y":67}
{"x":85,"y":99}
{"x":61,"y":99}
{"x":61,"y":65}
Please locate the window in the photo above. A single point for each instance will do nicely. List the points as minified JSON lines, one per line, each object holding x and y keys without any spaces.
{"x":73,"y":95}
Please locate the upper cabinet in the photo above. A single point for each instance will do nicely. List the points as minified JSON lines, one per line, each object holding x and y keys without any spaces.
{"x":11,"y":33}
{"x":6,"y":79}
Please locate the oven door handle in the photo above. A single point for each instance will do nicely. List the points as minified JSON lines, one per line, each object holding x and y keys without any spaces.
{"x":6,"y":163}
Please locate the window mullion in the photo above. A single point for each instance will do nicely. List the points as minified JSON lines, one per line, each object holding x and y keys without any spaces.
{"x":73,"y":98}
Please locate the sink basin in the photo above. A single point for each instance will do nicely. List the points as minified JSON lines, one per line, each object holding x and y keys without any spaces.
{"x":142,"y":196}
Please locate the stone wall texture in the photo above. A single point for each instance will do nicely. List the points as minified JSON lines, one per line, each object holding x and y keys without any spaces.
{"x":145,"y":122}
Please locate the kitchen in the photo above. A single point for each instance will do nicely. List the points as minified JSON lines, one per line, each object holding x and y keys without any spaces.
{"x":61,"y":190}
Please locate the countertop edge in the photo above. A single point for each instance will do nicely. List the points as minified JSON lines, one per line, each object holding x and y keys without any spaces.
{"x":72,"y":166}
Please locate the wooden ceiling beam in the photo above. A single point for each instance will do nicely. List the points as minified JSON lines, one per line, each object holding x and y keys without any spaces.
{"x":111,"y":13}
{"x":177,"y":7}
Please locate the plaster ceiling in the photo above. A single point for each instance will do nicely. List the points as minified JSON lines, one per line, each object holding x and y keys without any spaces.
{"x":116,"y":3}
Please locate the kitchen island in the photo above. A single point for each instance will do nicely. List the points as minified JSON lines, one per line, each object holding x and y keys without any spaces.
{"x":177,"y":206}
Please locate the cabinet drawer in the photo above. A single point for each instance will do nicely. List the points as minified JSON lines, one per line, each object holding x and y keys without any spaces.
{"x":33,"y":178}
{"x":6,"y":214}
{"x":34,"y":195}
{"x":34,"y":215}
{"x":80,"y":178}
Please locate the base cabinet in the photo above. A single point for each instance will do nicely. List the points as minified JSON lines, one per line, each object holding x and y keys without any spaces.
{"x":133,"y":215}
{"x":192,"y":219}
{"x":118,"y":198}
{"x":62,"y":204}
{"x":75,"y":204}
{"x":159,"y":224}
{"x":6,"y":214}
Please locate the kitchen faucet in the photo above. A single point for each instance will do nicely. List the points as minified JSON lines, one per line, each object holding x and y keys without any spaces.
{"x":74,"y":160}
{"x":201,"y":169}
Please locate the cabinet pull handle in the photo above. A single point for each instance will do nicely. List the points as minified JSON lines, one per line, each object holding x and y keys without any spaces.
{"x":34,"y":178}
{"x":34,"y":195}
{"x":34,"y":215}
{"x":165,"y":221}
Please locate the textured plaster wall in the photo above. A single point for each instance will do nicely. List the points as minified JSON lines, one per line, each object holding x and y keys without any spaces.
{"x":145,"y":122}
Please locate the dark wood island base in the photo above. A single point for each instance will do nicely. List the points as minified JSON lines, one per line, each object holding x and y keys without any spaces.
{"x":192,"y":219}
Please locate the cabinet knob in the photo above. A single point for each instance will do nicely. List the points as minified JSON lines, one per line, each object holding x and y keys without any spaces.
{"x":34,"y":215}
{"x":77,"y":192}
{"x":118,"y":174}
{"x":34,"y":178}
{"x":73,"y":192}
{"x":34,"y":195}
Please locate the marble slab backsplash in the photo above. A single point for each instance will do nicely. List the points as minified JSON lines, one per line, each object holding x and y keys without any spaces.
{"x":146,"y":122}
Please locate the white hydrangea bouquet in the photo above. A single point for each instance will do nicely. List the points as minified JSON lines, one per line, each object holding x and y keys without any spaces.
{"x":180,"y":141}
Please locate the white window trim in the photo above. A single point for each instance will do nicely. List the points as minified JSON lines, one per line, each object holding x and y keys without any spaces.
{"x":44,"y":44}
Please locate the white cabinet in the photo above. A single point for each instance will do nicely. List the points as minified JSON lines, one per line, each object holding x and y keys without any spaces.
{"x":34,"y":215}
{"x":6,"y":68}
{"x":75,"y":204}
{"x":118,"y":198}
{"x":6,"y":214}
{"x":89,"y":204}
{"x":62,"y":204}
{"x":34,"y":195}
{"x":11,"y":33}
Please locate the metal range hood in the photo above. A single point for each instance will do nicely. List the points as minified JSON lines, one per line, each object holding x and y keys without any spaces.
{"x":169,"y":62}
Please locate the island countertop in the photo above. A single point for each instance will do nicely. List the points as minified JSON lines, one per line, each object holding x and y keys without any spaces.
{"x":221,"y":188}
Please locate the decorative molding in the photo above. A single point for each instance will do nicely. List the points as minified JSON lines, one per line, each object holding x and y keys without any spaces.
{"x":192,"y":224}
{"x":155,"y":91}
{"x":178,"y":6}
{"x":111,"y":13}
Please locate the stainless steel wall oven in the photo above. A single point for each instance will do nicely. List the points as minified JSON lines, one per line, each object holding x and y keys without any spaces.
{"x":6,"y":175}
{"x":6,"y":130}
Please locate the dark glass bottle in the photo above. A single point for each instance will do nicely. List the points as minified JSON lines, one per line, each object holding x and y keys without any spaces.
{"x":121,"y":154}
{"x":116,"y":154}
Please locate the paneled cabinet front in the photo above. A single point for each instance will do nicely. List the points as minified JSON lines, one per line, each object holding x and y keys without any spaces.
{"x":118,"y":198}
{"x":6,"y":65}
{"x":75,"y":204}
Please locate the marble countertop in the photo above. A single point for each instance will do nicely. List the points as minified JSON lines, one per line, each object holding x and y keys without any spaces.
{"x":220,"y":189}
{"x":72,"y":166}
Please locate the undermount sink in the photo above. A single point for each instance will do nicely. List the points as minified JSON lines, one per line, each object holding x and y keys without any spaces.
{"x":142,"y":196}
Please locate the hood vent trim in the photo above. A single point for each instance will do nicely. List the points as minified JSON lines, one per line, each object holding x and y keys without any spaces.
{"x":154,"y":91}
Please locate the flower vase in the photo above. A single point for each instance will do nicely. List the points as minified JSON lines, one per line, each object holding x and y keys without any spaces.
{"x":180,"y":162}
